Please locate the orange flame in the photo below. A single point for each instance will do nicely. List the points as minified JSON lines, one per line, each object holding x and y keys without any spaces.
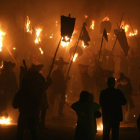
{"x":83,"y":44}
{"x":133,"y":34}
{"x":1,"y":39}
{"x":41,"y":51}
{"x":106,"y":18}
{"x":75,"y":56}
{"x":86,"y":16}
{"x":1,"y":65}
{"x":5,"y":121}
{"x":37,"y":40}
{"x":92,"y":25}
{"x":66,"y":42}
{"x":100,"y":127}
{"x":28,"y":26}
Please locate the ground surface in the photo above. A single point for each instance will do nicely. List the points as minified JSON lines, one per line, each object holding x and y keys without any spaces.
{"x":63,"y":128}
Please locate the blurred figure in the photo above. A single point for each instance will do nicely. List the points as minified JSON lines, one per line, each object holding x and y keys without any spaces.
{"x":138,"y":123}
{"x":111,"y":101}
{"x":124,"y":64}
{"x":28,"y":104}
{"x":85,"y":110}
{"x":87,"y":81}
{"x":59,"y":87}
{"x":8,"y":85}
{"x":126,"y":87}
{"x":134,"y":73}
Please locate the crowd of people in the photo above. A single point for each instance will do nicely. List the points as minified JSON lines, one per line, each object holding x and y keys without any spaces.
{"x":98,"y":93}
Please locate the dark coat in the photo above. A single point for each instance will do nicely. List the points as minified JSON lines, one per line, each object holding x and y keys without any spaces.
{"x":85,"y":129}
{"x":111,"y":100}
{"x":58,"y":82}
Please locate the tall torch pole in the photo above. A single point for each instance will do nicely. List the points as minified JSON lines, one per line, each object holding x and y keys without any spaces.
{"x":75,"y":50}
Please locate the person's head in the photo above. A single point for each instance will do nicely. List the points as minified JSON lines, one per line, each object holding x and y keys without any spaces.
{"x":84,"y":96}
{"x":111,"y":82}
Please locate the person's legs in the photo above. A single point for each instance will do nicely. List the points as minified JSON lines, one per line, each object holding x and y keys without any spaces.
{"x":61,"y":105}
{"x":115,"y":129}
{"x":106,"y":128}
{"x":22,"y":122}
{"x":43,"y":116}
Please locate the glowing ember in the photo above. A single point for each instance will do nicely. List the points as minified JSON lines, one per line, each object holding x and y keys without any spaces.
{"x":86,"y":16}
{"x":1,"y":39}
{"x":14,"y":48}
{"x":5,"y":121}
{"x":28,"y":26}
{"x":92,"y":25}
{"x":37,"y":40}
{"x":83,"y":44}
{"x":56,"y":23}
{"x":126,"y":27}
{"x":1,"y":65}
{"x":75,"y":56}
{"x":100,"y":127}
{"x":51,"y":36}
{"x":41,"y":51}
{"x":106,"y":18}
{"x":133,"y":34}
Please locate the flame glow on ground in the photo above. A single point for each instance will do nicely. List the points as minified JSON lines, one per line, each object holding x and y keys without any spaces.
{"x":1,"y":39}
{"x":100,"y":127}
{"x":5,"y":121}
{"x":37,"y":40}
{"x":75,"y":56}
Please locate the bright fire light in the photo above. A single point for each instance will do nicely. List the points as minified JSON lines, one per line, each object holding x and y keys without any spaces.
{"x":126,"y":27}
{"x":41,"y":51}
{"x":133,"y":34}
{"x":28,"y":26}
{"x":5,"y":121}
{"x":1,"y":39}
{"x":106,"y":18}
{"x":75,"y":56}
{"x":83,"y":45}
{"x":92,"y":25}
{"x":66,"y":42}
{"x":1,"y":65}
{"x":100,"y":127}
{"x":37,"y":40}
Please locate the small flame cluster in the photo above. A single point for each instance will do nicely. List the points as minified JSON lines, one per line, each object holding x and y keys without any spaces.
{"x":1,"y":39}
{"x":92,"y":25}
{"x":83,"y":45}
{"x":28,"y":26}
{"x":41,"y":51}
{"x":1,"y":65}
{"x":66,"y":42}
{"x":106,"y":18}
{"x":126,"y":28}
{"x":100,"y":127}
{"x":38,"y":31}
{"x":5,"y":121}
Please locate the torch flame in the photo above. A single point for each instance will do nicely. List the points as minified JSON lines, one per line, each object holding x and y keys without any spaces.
{"x":1,"y":39}
{"x":41,"y":51}
{"x":133,"y":34}
{"x":66,"y":42}
{"x":100,"y":127}
{"x":1,"y":65}
{"x":75,"y":56}
{"x":37,"y":40}
{"x":83,"y":44}
{"x":28,"y":26}
{"x":106,"y":18}
{"x":5,"y":121}
{"x":92,"y":25}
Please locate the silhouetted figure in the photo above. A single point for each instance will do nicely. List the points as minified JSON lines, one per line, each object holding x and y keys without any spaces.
{"x":59,"y":87}
{"x":8,"y":85}
{"x":28,"y":104}
{"x":39,"y":86}
{"x":126,"y":87}
{"x":111,"y":100}
{"x":85,"y":109}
